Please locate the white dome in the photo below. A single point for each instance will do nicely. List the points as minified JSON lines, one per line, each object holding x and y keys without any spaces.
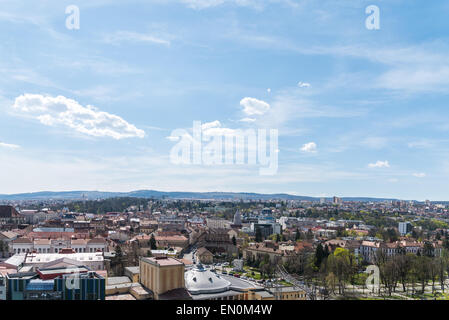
{"x":199,"y":280}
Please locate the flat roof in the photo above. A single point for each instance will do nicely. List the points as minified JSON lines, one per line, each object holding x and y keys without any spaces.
{"x":163,"y":262}
{"x":113,"y":281}
{"x":133,"y":269}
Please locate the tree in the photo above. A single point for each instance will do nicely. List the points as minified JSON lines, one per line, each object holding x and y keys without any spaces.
{"x":421,"y":268}
{"x":297,"y":235}
{"x":404,"y":266}
{"x":3,"y":248}
{"x":319,"y":255}
{"x":278,"y":237}
{"x":326,"y":251}
{"x":258,"y":235}
{"x":118,"y":261}
{"x":389,"y":275}
{"x":428,"y":250}
{"x":266,"y":267}
{"x":153,"y":245}
{"x":342,"y":265}
{"x":434,"y":271}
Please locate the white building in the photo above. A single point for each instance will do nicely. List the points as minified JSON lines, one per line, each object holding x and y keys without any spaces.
{"x":94,"y":261}
{"x":404,"y":228}
{"x":23,"y":245}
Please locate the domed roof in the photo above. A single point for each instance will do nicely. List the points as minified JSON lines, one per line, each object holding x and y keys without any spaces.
{"x":199,"y":280}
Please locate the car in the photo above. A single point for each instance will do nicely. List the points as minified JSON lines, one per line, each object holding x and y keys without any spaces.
{"x":224,"y":272}
{"x":237,"y":275}
{"x":231,"y":273}
{"x":244,"y":277}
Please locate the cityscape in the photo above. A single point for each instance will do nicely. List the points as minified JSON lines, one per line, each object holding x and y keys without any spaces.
{"x":223,"y":249}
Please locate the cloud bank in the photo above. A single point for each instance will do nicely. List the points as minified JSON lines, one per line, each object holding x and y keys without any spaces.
{"x":65,"y":112}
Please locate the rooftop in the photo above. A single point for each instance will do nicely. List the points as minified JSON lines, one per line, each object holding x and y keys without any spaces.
{"x":163,"y":261}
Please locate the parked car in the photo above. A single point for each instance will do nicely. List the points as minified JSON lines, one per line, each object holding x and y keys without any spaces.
{"x":224,"y":272}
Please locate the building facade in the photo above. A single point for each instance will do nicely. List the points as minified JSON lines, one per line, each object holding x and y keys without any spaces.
{"x":161,"y":275}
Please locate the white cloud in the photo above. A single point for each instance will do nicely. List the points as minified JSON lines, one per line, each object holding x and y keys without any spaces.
{"x":420,"y":144}
{"x":419,"y":175}
{"x":303,"y":84}
{"x":121,"y":36}
{"x":309,"y":147}
{"x":255,"y":4}
{"x":250,"y":120}
{"x":379,"y":164}
{"x":253,"y":106}
{"x":202,"y":4}
{"x":269,"y":90}
{"x":52,"y":111}
{"x":393,"y":180}
{"x":9,"y":146}
{"x":214,"y":128}
{"x":173,"y":138}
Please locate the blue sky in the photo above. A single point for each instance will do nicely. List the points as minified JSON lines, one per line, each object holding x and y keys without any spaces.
{"x":359,"y":112}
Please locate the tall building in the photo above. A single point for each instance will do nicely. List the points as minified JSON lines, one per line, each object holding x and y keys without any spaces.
{"x":59,"y":283}
{"x":336,"y":200}
{"x":163,"y":276}
{"x":404,"y":228}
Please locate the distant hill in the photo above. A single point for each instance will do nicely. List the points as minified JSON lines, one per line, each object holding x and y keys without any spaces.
{"x":93,"y":195}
